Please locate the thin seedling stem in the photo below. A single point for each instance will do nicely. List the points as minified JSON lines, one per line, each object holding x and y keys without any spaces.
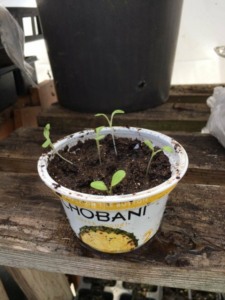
{"x":114,"y":143}
{"x":149,"y":165}
{"x":99,"y":152}
{"x":56,"y":152}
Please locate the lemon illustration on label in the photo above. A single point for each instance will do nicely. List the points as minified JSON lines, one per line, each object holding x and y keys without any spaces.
{"x":108,"y":239}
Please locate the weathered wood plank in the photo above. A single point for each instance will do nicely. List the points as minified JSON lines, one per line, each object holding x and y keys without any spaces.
{"x":6,"y":122}
{"x":169,"y":116}
{"x":3,"y":294}
{"x":188,"y":252}
{"x":20,"y":152}
{"x":39,"y":285}
{"x":185,"y":110}
{"x":180,"y":98}
{"x":193,"y":89}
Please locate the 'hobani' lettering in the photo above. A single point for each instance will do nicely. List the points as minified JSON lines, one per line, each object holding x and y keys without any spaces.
{"x":104,"y":216}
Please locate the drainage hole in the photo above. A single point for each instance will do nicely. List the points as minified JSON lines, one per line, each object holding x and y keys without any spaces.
{"x":142,"y":84}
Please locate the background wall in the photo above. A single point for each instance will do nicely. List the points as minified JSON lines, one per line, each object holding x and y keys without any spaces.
{"x":202,"y":29}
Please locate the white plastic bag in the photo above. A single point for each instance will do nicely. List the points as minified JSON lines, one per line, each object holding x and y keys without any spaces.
{"x":216,"y":121}
{"x":12,"y":38}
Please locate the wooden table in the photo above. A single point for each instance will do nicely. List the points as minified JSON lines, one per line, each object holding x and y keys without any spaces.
{"x":188,"y":251}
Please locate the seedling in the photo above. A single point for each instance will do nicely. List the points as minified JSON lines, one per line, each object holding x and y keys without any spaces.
{"x":117,"y":177}
{"x":153,"y":153}
{"x":110,"y":122}
{"x":48,"y":143}
{"x":98,"y":138}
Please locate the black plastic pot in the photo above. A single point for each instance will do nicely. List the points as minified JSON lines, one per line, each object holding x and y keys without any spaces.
{"x":108,"y":54}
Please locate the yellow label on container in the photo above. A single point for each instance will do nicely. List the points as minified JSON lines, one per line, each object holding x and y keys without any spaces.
{"x":118,"y":205}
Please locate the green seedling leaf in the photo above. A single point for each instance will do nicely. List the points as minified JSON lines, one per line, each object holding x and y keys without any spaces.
{"x":117,"y":177}
{"x":110,"y":123}
{"x":154,"y":152}
{"x":100,"y":115}
{"x":98,"y":129}
{"x":105,"y":116}
{"x":149,"y":144}
{"x":117,"y":111}
{"x":46,"y":144}
{"x":46,"y":133}
{"x":99,"y":138}
{"x":99,"y":185}
{"x":167,"y":149}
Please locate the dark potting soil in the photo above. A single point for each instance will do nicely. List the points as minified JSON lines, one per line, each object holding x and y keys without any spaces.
{"x":132,"y":157}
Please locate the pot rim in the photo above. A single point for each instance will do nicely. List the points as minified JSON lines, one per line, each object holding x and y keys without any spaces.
{"x":179,"y":166}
